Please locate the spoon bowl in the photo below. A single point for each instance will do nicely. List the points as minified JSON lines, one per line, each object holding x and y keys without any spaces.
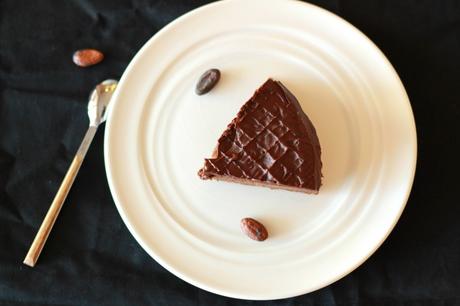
{"x":99,"y":100}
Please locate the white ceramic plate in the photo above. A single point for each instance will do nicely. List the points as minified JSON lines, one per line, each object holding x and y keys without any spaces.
{"x":159,"y":131}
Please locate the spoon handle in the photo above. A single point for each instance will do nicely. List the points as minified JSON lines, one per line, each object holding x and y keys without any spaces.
{"x":55,"y":208}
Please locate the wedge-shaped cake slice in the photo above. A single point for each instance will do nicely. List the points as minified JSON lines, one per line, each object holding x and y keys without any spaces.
{"x":270,"y":143}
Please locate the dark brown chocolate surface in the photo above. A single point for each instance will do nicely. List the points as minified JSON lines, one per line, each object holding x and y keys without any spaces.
{"x":270,"y":142}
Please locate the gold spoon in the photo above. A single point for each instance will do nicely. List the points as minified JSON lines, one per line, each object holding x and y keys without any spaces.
{"x":97,"y":106}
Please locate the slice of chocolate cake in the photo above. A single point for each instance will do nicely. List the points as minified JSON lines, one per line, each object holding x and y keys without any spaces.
{"x":271,"y":143}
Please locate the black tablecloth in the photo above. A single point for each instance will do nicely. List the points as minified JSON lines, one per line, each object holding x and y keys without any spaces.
{"x":92,"y":259}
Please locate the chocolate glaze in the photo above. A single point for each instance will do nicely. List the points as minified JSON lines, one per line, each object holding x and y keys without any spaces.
{"x":271,"y":142}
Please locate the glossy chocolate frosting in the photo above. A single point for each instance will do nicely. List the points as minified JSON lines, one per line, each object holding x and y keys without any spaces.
{"x":271,"y":142}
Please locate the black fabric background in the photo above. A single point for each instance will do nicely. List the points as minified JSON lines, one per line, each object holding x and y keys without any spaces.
{"x":91,"y":258}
